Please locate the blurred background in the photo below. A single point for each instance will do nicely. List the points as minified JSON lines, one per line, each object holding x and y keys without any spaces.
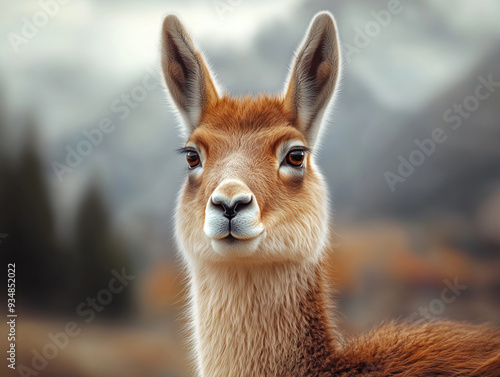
{"x":89,"y":173}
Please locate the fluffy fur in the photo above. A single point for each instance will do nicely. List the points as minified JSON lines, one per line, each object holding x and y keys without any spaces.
{"x":258,"y":305}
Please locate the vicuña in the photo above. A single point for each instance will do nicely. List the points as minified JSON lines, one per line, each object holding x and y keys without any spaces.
{"x":252,"y":223}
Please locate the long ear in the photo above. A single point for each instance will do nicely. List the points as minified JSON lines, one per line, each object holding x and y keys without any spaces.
{"x":187,"y":77}
{"x":314,"y":76}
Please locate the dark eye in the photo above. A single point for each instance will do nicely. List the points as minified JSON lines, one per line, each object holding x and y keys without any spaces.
{"x":193,"y":159}
{"x":296,"y":157}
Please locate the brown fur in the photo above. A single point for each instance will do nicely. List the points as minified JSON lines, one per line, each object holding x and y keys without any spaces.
{"x":439,"y":348}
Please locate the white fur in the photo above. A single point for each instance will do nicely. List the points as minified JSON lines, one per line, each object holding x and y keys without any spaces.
{"x":245,"y":226}
{"x":245,"y":319}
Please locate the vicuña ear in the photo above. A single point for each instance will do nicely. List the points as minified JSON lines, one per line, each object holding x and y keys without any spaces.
{"x":314,"y":76}
{"x":187,"y":77}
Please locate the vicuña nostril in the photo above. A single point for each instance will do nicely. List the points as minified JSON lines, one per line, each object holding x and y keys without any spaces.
{"x":230,"y":212}
{"x":231,"y":206}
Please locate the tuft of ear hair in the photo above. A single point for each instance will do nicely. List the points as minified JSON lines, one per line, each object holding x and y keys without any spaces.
{"x":314,"y":76}
{"x":187,"y":77}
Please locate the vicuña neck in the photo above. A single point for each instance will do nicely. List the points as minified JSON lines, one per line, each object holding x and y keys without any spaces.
{"x":259,"y":320}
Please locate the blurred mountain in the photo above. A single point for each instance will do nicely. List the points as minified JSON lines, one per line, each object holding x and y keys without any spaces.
{"x":456,"y":177}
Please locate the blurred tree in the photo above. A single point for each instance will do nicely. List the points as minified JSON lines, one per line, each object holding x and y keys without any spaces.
{"x":27,"y":218}
{"x":50,"y":276}
{"x":99,"y":251}
{"x":5,"y":173}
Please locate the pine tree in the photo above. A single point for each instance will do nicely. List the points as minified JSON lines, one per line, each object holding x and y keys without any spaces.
{"x":28,"y":219}
{"x":99,"y":251}
{"x":52,"y":278}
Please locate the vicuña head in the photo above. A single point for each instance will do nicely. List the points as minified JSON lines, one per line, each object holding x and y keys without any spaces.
{"x":252,"y":223}
{"x":253,"y":190}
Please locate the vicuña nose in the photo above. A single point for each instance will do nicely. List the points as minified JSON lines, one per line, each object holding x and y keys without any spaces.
{"x":232,"y":210}
{"x":231,"y":206}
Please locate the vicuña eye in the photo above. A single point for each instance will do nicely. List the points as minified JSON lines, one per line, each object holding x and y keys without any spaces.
{"x":193,"y":159}
{"x":296,"y":157}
